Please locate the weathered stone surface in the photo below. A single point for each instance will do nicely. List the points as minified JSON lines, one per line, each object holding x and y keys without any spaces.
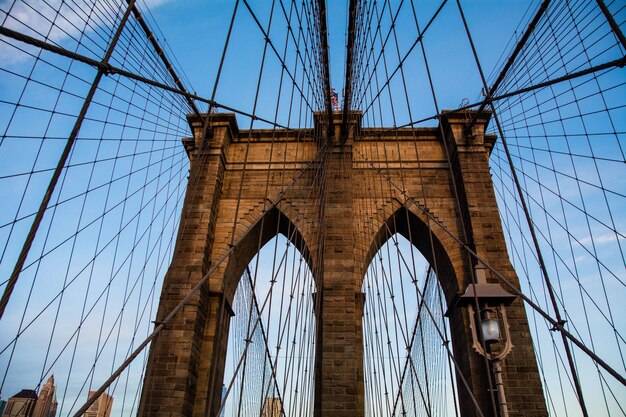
{"x":235,"y":173}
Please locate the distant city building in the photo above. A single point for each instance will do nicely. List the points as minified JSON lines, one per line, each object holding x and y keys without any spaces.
{"x":46,"y":405}
{"x":21,"y":404}
{"x":273,"y":407}
{"x":100,"y":408}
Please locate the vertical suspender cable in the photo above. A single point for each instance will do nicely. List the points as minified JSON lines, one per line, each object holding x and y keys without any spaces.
{"x":325,"y":66}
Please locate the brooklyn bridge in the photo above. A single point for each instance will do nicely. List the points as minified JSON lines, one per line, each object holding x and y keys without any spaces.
{"x":309,"y":208}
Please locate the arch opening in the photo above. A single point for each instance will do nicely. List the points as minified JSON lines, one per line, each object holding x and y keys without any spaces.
{"x":270,"y":355}
{"x":273,"y":223}
{"x":407,"y":281}
{"x":423,"y":241}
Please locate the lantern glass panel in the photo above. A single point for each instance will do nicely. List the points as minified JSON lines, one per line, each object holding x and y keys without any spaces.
{"x":491,"y":330}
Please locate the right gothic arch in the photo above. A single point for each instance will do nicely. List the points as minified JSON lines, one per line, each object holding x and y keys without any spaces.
{"x":415,"y":229}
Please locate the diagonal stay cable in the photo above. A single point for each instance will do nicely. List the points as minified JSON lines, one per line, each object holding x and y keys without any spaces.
{"x":616,"y":63}
{"x":518,"y":48}
{"x":271,"y":45}
{"x":400,"y":64}
{"x":531,"y":227}
{"x":110,"y":69}
{"x":159,"y":51}
{"x":61,"y":163}
{"x":193,"y":290}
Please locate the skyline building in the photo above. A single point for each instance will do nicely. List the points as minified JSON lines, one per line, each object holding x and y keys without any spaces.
{"x":46,"y":405}
{"x":272,"y":407}
{"x":101,"y":407}
{"x":21,"y":404}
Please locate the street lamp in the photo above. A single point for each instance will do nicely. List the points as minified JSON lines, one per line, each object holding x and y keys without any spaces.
{"x":490,"y":341}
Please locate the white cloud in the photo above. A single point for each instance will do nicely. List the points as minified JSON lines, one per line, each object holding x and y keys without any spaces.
{"x":582,"y":258}
{"x":56,"y":21}
{"x":601,"y":239}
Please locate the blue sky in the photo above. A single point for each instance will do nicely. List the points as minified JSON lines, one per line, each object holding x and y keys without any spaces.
{"x":194,"y":32}
{"x":455,"y":78}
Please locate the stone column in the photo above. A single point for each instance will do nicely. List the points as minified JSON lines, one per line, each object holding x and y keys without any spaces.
{"x":470,"y":150}
{"x":337,"y":384}
{"x":339,"y":370}
{"x":177,"y":368}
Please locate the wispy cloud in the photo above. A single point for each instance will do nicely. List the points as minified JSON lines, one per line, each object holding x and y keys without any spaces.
{"x":55,"y":21}
{"x":601,"y":239}
{"x":582,"y":258}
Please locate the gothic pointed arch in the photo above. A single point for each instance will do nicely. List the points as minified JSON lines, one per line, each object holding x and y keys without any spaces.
{"x":273,"y":222}
{"x":438,"y":250}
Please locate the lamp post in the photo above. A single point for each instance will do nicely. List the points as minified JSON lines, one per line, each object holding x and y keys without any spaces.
{"x":492,"y":301}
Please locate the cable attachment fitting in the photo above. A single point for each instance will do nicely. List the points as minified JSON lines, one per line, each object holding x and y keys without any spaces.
{"x":106,"y":69}
{"x":559,"y":325}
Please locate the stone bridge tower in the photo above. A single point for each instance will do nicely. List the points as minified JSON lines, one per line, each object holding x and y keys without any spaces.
{"x":232,"y":172}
